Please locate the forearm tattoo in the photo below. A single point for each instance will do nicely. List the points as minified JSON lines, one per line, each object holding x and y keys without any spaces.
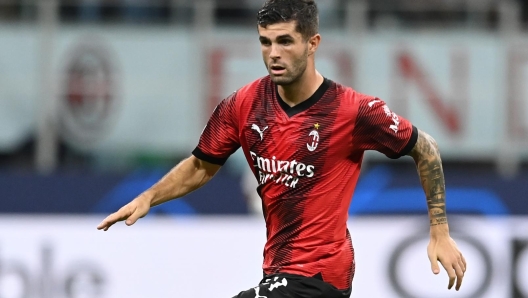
{"x":429,"y":165}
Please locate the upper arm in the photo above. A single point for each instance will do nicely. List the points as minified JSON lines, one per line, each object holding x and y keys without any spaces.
{"x":378,"y":128}
{"x":220,"y":137}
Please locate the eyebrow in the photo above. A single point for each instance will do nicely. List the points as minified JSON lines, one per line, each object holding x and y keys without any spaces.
{"x":284,"y":36}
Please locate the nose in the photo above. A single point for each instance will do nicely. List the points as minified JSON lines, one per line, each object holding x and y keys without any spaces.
{"x":274,"y":53}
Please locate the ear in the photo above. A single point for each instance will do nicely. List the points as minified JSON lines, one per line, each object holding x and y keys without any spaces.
{"x":313,"y":44}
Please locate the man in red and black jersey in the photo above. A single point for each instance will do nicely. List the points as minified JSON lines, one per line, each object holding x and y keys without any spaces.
{"x":304,"y":136}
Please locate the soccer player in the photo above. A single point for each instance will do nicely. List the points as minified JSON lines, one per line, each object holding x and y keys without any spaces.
{"x":304,"y":136}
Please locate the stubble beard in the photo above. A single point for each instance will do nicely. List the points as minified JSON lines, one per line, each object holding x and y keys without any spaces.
{"x":290,"y":77}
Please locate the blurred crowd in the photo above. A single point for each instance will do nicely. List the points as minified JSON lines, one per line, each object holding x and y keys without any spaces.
{"x":404,"y":12}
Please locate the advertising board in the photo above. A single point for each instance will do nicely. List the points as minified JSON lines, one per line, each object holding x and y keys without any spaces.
{"x":66,"y":257}
{"x":151,"y":90}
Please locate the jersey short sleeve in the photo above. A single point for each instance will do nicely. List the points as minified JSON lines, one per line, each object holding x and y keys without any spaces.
{"x":378,"y":128}
{"x":219,"y":138}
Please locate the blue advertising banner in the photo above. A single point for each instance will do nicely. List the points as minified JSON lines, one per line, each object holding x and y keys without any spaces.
{"x":382,"y":189}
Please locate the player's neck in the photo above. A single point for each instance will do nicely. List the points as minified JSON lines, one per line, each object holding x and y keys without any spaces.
{"x":301,"y":90}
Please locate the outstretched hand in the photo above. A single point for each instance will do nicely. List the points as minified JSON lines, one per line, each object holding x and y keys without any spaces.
{"x":446,"y":251}
{"x":131,"y":212}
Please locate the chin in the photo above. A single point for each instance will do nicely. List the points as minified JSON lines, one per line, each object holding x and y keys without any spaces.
{"x":282,"y":81}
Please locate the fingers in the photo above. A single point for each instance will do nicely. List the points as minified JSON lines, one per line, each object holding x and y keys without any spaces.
{"x":434,"y":263}
{"x":105,"y":224}
{"x":111,"y":219}
{"x":451,"y":259}
{"x":464,"y":264}
{"x":133,"y":218}
{"x":131,"y":212}
{"x":460,"y":270}
{"x":459,"y":276}
{"x":455,"y":270}
{"x":452,"y":275}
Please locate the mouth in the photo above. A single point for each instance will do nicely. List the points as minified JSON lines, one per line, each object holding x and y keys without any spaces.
{"x":277,"y":69}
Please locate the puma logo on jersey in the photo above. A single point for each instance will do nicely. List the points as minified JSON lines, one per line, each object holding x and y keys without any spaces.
{"x":372,"y":103}
{"x":257,"y":129}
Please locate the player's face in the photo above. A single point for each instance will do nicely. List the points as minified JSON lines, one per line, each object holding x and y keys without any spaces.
{"x":285,"y":52}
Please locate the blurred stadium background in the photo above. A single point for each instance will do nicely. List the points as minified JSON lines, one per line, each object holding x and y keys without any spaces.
{"x":99,"y":98}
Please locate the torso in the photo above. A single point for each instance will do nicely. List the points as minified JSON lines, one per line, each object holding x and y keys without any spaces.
{"x":304,"y":161}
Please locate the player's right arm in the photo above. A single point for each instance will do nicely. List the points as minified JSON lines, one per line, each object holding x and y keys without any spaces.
{"x":217,"y":142}
{"x":189,"y":175}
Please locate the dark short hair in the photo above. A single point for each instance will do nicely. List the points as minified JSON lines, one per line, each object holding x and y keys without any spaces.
{"x":304,"y":12}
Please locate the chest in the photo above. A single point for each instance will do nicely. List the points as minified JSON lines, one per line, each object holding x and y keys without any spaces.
{"x":309,"y":135}
{"x":272,"y":132}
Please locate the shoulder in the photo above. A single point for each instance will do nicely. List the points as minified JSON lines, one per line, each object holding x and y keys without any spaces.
{"x":350,"y":97}
{"x":242,"y":99}
{"x":259,"y":85}
{"x":245,"y":97}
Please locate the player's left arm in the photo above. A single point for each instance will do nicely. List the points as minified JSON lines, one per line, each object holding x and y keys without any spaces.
{"x":441,"y":246}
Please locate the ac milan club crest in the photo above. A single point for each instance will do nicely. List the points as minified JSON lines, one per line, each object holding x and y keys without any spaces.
{"x":88,"y":102}
{"x":314,"y":138}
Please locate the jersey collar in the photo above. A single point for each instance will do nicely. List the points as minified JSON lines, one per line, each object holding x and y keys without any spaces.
{"x":305,"y":105}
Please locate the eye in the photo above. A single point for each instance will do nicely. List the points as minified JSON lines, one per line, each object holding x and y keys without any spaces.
{"x":286,"y":42}
{"x":265,"y":42}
